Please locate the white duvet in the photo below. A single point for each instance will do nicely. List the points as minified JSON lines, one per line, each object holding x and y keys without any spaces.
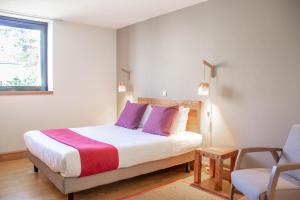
{"x":134,"y":147}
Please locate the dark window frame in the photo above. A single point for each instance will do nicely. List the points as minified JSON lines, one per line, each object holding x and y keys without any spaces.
{"x":34,"y":25}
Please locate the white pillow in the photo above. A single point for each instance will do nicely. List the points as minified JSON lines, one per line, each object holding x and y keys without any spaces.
{"x":145,"y":116}
{"x":181,"y":120}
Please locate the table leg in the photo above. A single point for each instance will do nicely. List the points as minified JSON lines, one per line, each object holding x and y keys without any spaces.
{"x":197,"y":168}
{"x":219,"y":174}
{"x":232,"y":164}
{"x":212,"y":168}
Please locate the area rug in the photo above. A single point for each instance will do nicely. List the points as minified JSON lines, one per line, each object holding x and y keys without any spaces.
{"x":178,"y":190}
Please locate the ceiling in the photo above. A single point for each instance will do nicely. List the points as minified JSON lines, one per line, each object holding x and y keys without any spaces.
{"x":105,"y":13}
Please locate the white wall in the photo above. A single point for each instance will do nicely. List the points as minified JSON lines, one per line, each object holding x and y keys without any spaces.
{"x":256,"y":47}
{"x":84,"y":75}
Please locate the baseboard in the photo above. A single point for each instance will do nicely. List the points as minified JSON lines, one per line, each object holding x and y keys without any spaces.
{"x":12,"y":155}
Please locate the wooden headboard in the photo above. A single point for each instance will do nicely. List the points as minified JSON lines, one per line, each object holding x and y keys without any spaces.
{"x":193,"y":123}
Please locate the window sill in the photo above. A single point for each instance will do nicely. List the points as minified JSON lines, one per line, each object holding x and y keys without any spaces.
{"x":8,"y":93}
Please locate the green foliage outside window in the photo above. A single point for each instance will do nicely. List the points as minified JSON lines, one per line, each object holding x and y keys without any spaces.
{"x":19,"y":57}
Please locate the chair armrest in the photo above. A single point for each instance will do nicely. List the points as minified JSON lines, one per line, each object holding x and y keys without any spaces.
{"x":276,"y":170}
{"x":244,"y":151}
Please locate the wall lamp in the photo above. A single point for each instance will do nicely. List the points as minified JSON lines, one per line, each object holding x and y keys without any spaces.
{"x":203,"y":88}
{"x":122,"y":87}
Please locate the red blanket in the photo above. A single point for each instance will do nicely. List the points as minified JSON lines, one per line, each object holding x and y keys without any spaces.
{"x":95,"y":156}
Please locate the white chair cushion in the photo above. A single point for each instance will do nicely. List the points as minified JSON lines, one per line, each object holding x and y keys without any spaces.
{"x":291,"y":151}
{"x":254,"y":182}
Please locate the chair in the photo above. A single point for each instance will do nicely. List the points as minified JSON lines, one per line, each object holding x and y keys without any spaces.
{"x":282,"y":182}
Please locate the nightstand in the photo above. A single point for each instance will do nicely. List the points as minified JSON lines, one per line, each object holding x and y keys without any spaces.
{"x":216,"y":156}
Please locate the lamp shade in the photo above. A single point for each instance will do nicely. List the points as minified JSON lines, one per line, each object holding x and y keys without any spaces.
{"x":122,"y":88}
{"x":203,"y":89}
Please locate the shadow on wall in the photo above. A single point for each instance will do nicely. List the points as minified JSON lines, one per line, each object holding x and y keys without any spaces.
{"x":223,"y":99}
{"x":225,"y":91}
{"x":228,"y":93}
{"x":220,"y":65}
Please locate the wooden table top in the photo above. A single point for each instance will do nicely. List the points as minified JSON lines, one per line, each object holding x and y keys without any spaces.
{"x":218,"y":151}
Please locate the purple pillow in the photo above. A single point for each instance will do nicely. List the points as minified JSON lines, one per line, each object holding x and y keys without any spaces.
{"x":161,"y":120}
{"x":131,"y":115}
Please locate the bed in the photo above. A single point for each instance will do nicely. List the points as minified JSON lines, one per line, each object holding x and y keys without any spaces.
{"x":139,"y":152}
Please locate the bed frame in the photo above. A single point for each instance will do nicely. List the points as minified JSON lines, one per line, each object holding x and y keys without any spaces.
{"x":70,"y":185}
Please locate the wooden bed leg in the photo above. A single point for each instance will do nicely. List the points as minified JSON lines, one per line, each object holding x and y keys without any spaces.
{"x":187,"y":167}
{"x":71,"y":196}
{"x":35,"y":169}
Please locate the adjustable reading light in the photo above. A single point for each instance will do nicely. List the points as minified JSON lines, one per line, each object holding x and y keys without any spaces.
{"x":122,"y":86}
{"x":203,"y":88}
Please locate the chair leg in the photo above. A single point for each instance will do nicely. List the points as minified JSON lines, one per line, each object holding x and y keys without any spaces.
{"x":187,"y":167}
{"x":71,"y":196}
{"x":232,"y":190}
{"x":35,"y":169}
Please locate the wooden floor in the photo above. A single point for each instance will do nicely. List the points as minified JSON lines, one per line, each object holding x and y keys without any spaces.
{"x":18,"y":182}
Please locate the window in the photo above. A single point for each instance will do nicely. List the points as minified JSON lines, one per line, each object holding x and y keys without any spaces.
{"x":23,"y":55}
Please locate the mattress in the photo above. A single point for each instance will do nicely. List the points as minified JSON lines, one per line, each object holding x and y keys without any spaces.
{"x":134,"y":147}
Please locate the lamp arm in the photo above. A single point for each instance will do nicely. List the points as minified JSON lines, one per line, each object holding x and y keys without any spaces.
{"x":128,"y":72}
{"x":211,"y":66}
